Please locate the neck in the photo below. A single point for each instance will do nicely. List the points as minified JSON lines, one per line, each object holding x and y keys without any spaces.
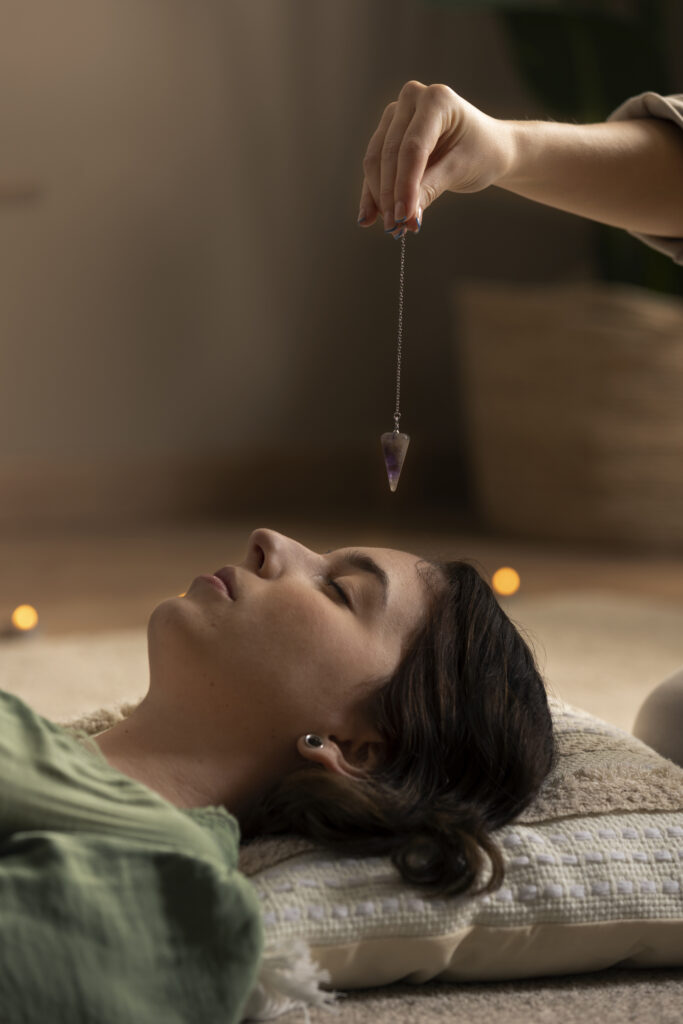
{"x":184,"y":765}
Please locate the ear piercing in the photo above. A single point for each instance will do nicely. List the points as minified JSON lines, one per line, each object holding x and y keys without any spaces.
{"x":311,"y":740}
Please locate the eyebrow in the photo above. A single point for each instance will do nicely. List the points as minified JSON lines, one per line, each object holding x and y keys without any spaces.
{"x":364,"y":563}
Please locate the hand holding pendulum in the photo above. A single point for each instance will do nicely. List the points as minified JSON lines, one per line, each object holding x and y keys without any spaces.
{"x":394,"y":443}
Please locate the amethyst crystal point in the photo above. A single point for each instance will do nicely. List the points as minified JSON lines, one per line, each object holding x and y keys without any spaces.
{"x":394,"y":447}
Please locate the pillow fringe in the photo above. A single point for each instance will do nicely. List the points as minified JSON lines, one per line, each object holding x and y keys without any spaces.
{"x":288,"y":979}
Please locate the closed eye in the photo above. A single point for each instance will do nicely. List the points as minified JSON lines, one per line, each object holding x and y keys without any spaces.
{"x":340,"y":590}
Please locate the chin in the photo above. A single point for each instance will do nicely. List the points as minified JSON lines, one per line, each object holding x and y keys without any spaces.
{"x":170,"y":624}
{"x":179,"y":628}
{"x":169,"y":610}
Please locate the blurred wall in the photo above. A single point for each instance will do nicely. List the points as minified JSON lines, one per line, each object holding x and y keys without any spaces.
{"x":190,"y":319}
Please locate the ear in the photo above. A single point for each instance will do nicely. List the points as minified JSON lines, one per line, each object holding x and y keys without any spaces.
{"x":353,"y":757}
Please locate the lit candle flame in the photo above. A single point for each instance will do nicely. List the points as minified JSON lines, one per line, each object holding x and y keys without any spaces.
{"x":24,"y":617}
{"x":505,"y":581}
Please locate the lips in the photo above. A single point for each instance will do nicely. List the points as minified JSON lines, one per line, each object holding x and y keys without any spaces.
{"x":227,"y":576}
{"x":215,"y":583}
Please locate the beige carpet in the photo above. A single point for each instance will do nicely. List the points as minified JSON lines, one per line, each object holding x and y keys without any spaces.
{"x":607,"y":997}
{"x":602,"y":652}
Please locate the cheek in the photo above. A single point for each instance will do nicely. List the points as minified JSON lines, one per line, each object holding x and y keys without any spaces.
{"x":293,"y":632}
{"x":304,"y":642}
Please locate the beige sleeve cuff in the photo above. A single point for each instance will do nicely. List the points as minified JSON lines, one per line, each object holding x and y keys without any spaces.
{"x":651,"y":104}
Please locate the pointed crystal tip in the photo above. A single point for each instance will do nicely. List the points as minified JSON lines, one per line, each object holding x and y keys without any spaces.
{"x":394,"y":447}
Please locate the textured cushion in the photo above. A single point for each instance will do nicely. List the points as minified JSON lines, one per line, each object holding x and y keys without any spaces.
{"x":593,"y":878}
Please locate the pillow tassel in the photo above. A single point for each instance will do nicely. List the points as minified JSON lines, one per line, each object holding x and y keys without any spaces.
{"x":288,"y":979}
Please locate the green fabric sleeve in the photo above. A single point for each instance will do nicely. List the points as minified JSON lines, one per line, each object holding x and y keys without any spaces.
{"x":115,"y":906}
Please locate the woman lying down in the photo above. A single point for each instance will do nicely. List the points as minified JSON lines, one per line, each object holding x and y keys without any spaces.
{"x":371,"y":700}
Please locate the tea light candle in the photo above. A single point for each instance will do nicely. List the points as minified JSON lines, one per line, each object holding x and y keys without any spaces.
{"x":505,"y":581}
{"x":23,"y":622}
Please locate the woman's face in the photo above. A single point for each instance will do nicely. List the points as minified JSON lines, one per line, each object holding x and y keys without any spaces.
{"x":297,"y":645}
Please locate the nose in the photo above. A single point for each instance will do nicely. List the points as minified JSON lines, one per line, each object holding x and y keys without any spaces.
{"x":258,"y":545}
{"x":269,"y":553}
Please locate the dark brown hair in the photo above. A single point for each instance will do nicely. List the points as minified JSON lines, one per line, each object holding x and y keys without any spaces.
{"x":469,"y":740}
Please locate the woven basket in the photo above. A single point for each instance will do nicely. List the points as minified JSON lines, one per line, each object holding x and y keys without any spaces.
{"x":573,"y":400}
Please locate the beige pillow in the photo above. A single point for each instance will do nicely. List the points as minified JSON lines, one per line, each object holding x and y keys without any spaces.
{"x":593,"y":878}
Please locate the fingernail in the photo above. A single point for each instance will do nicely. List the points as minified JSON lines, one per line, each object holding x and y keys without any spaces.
{"x":400,"y":212}
{"x":361,"y":216}
{"x":419,"y":216}
{"x":389,"y":221}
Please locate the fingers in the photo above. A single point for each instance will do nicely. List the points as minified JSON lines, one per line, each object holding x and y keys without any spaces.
{"x":413,"y":185}
{"x":397,"y":158}
{"x":392,"y":212}
{"x":372,"y":163}
{"x":367,"y":212}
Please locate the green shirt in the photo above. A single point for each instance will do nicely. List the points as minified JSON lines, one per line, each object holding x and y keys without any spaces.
{"x":115,"y":906}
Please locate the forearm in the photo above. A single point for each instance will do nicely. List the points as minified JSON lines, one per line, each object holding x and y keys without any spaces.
{"x":625,"y":173}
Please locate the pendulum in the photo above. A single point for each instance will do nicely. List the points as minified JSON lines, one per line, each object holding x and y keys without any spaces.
{"x":394,"y":443}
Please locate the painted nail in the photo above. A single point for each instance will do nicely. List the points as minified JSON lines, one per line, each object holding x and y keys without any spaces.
{"x":389,"y":221}
{"x":400,"y":212}
{"x":361,"y":216}
{"x":387,"y":231}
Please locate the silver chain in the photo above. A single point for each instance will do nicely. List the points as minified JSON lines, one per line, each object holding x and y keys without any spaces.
{"x":397,"y":414}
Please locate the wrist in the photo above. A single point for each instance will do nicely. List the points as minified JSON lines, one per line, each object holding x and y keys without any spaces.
{"x":517,"y":145}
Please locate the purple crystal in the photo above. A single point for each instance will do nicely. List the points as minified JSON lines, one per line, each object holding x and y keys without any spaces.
{"x":394,"y":447}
